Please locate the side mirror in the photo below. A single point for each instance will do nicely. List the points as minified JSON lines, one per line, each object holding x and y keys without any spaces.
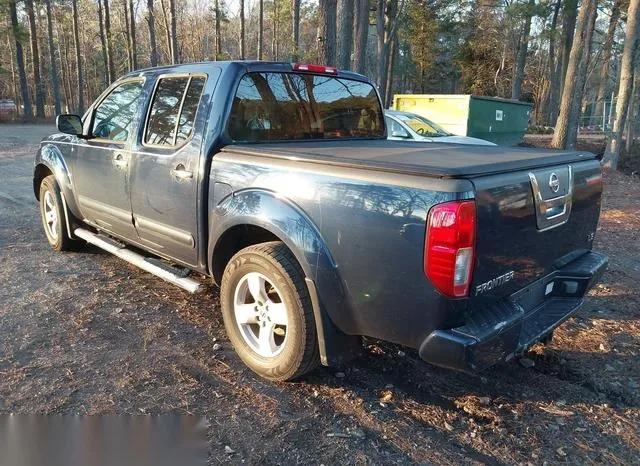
{"x":400,"y":134}
{"x":69,"y":124}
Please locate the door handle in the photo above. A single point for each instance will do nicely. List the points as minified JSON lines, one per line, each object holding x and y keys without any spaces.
{"x":181,"y":173}
{"x":119,"y":161}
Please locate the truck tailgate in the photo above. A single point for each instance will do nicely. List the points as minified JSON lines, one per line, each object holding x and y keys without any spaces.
{"x":531,"y":222}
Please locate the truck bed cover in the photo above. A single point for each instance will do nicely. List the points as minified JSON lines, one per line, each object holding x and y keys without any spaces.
{"x":428,"y":159}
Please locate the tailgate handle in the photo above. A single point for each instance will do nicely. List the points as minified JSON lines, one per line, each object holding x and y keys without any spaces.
{"x":555,"y":211}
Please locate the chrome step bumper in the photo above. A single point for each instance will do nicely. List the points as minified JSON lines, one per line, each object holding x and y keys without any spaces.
{"x":509,"y":326}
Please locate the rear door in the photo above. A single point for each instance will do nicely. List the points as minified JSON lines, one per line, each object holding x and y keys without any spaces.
{"x":165,"y":168}
{"x":531,"y":222}
{"x":102,"y":166}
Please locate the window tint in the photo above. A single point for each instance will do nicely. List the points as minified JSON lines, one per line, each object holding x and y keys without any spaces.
{"x":189,"y":109}
{"x":165,"y":106}
{"x":280,"y":106}
{"x":166,"y":125}
{"x":115,"y":117}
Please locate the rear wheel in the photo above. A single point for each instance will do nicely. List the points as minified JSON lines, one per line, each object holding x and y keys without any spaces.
{"x":267,"y":312}
{"x":52,"y":215}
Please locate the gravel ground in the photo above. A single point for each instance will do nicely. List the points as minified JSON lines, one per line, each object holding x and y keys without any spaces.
{"x":85,"y":333}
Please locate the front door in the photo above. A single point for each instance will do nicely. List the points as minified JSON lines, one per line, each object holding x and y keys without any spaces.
{"x":104,"y":160}
{"x":165,"y":169}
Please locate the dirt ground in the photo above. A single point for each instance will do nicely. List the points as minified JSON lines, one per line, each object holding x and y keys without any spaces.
{"x":85,"y":333}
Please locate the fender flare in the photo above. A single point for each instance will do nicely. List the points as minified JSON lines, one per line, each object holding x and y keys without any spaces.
{"x":282,"y":218}
{"x":52,"y":159}
{"x":288,"y":222}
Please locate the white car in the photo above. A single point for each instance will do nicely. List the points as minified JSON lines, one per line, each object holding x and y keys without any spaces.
{"x":405,"y":126}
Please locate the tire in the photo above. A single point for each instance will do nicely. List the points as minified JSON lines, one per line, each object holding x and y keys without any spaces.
{"x":283,"y":309}
{"x":53,"y":216}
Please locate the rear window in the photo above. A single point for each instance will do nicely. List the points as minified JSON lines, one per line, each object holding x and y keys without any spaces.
{"x":289,"y":106}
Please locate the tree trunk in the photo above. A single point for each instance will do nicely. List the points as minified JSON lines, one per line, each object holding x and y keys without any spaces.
{"x":569,"y":14}
{"x":386,"y":22}
{"x":109,"y":41}
{"x":521,"y":61}
{"x":624,"y":88}
{"x":361,"y":36}
{"x":14,"y":82}
{"x":175,"y":53}
{"x":35,"y":59}
{"x":551,"y":96}
{"x":103,"y":42}
{"x":24,"y":86}
{"x":345,"y":33}
{"x":260,"y":28}
{"x":64,"y":66}
{"x":132,"y":31}
{"x":167,"y":29}
{"x":242,"y":32}
{"x":127,"y":34}
{"x":218,"y":52}
{"x":55,"y":80}
{"x":76,"y":41}
{"x":274,"y":39}
{"x":381,"y":46}
{"x":327,"y":33}
{"x":581,"y":79}
{"x":393,"y":52}
{"x":572,"y":89}
{"x":605,"y":61}
{"x":152,"y":34}
{"x":634,"y":103}
{"x":295,"y":29}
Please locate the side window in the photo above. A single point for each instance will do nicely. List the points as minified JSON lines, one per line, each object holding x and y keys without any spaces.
{"x":115,"y":116}
{"x":189,"y":109}
{"x":173,"y":110}
{"x":396,"y":129}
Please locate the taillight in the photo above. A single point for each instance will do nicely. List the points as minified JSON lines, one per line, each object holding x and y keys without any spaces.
{"x":315,"y":68}
{"x":449,"y":248}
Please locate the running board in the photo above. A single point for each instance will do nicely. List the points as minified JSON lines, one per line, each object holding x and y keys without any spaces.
{"x":122,"y":252}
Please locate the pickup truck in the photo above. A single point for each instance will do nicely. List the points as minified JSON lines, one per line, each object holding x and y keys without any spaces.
{"x":276,"y":180}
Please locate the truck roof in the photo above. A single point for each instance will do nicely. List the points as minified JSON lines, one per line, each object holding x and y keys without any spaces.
{"x":245,"y":65}
{"x":430,"y":159}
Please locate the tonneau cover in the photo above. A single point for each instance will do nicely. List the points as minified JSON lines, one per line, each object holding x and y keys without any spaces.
{"x":427,"y":159}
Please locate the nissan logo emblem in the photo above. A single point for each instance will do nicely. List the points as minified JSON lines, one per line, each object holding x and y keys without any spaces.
{"x":554,"y":183}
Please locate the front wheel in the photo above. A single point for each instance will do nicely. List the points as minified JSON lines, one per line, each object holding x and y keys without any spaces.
{"x":267,"y":312}
{"x":52,"y":214}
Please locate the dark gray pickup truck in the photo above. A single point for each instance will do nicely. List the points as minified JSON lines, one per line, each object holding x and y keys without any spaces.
{"x":276,"y":181}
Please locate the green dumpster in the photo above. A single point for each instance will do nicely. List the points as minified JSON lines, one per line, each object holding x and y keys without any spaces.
{"x":502,"y":121}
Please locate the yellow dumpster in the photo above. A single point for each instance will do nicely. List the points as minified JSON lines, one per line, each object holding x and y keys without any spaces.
{"x":502,"y":121}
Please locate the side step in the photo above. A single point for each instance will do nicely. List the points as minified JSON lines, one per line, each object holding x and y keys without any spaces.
{"x":122,"y":252}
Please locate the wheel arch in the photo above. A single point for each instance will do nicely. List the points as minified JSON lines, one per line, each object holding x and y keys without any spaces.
{"x":254,"y":216}
{"x":50,"y":161}
{"x":40,"y":173}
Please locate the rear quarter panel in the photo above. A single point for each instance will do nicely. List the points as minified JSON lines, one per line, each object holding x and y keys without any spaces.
{"x":359,"y":234}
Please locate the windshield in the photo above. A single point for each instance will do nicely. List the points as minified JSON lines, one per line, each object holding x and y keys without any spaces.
{"x":290,"y":106}
{"x":422,"y":126}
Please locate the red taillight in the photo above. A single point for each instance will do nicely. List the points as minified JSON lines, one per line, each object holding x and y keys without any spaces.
{"x":449,"y":248}
{"x":315,"y":68}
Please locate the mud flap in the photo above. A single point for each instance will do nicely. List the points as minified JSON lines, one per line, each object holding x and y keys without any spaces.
{"x":336,"y":347}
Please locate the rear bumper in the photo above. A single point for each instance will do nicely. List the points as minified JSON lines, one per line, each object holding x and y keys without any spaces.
{"x":510,"y":326}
